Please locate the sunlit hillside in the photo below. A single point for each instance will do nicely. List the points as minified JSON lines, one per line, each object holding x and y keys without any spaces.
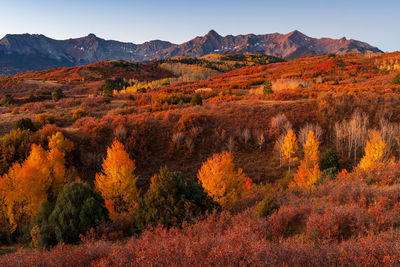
{"x":225,"y":160}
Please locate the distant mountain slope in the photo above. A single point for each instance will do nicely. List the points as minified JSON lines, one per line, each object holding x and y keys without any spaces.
{"x":85,"y":77}
{"x":140,"y":75}
{"x":26,"y":52}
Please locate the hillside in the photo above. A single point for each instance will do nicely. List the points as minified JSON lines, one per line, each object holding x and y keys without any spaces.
{"x":19,"y":53}
{"x":240,"y":159}
{"x":89,"y":77}
{"x":84,"y":78}
{"x":308,"y":76}
{"x":152,"y":89}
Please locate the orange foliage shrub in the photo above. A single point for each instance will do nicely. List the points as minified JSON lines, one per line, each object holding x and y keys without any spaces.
{"x":221,"y":181}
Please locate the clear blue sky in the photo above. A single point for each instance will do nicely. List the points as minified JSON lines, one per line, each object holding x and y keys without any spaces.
{"x":375,"y":22}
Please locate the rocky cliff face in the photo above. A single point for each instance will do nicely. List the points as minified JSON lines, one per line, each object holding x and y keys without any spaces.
{"x":25,"y":52}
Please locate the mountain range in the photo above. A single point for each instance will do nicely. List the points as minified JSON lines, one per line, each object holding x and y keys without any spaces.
{"x":25,"y":52}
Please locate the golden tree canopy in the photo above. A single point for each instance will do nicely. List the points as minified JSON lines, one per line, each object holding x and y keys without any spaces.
{"x":309,"y":172}
{"x":290,"y":147}
{"x":117,"y":181}
{"x":374,"y":150}
{"x":220,"y":179}
{"x":40,"y":177}
{"x":311,"y":149}
{"x":58,"y":141}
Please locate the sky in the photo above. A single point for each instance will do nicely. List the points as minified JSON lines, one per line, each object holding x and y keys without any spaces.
{"x":177,"y":21}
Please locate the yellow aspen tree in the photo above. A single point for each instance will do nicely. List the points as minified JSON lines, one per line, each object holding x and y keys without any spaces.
{"x":40,"y":177}
{"x":290,"y":147}
{"x":374,"y":151}
{"x":221,"y":181}
{"x":117,"y":181}
{"x":309,"y":172}
{"x":311,"y":149}
{"x":58,"y":147}
{"x":22,"y":187}
{"x":58,"y":141}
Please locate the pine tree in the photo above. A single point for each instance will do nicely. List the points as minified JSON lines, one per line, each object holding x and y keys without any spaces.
{"x":108,"y":88}
{"x":57,"y":94}
{"x":77,"y":209}
{"x":171,"y":199}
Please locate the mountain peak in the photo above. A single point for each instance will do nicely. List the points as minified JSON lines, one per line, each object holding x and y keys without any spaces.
{"x":212,"y":33}
{"x":91,"y":36}
{"x":296,"y":34}
{"x":298,"y":38}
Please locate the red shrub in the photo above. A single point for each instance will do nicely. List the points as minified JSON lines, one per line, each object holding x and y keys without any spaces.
{"x":285,"y":95}
{"x":94,"y":102}
{"x":288,"y":220}
{"x":336,"y":223}
{"x":61,"y":255}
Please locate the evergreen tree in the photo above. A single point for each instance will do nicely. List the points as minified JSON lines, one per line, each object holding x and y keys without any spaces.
{"x":330,"y":160}
{"x":44,"y":236}
{"x":196,"y":100}
{"x":8,"y":100}
{"x":108,"y":88}
{"x":267,"y":89}
{"x":57,"y":94}
{"x":396,"y":79}
{"x":77,"y":209}
{"x":24,"y":124}
{"x":171,"y":199}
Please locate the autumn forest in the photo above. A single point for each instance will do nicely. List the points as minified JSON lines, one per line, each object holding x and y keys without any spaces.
{"x":220,"y":160}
